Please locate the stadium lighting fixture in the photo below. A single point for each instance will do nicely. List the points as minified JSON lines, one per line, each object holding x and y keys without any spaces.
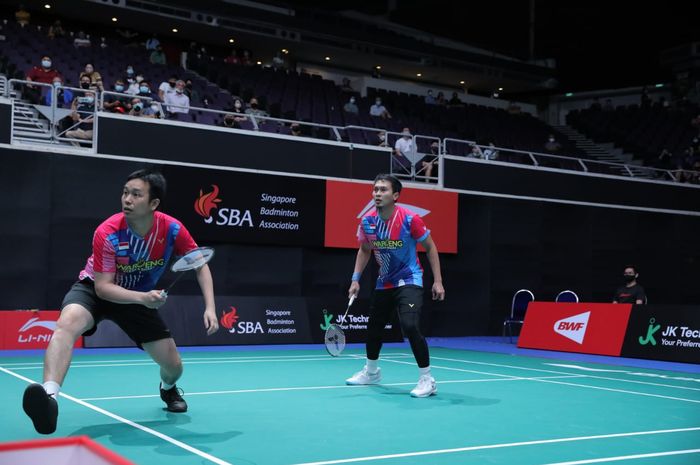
{"x":174,"y":29}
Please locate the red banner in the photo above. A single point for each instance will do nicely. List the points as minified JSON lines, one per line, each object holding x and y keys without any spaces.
{"x":347,"y":202}
{"x":570,"y":327}
{"x":28,"y":329}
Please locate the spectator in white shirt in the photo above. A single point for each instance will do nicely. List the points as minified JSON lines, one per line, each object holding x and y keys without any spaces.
{"x":178,"y":102}
{"x":379,"y":110}
{"x":402,"y":148}
{"x":167,"y":87}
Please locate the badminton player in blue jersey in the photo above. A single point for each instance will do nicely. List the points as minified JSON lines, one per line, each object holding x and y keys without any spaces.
{"x":391,"y":233}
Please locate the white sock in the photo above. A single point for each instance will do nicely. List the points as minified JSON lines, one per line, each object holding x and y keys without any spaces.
{"x":424,"y":371}
{"x":372,"y":366}
{"x":165,"y":386}
{"x":52,"y":388}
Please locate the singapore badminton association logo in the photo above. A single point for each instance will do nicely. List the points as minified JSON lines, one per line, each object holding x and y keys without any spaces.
{"x":205,"y":203}
{"x":228,"y":320}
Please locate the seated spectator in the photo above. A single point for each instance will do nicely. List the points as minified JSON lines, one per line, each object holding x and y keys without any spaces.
{"x":475,"y":152}
{"x":490,"y":152}
{"x":552,"y":146}
{"x":428,"y":165}
{"x":345,"y":86}
{"x":134,"y":84}
{"x":232,"y":58}
{"x":158,"y":57}
{"x":235,"y":116}
{"x":278,"y":61}
{"x":177,"y":103}
{"x":95,"y":77}
{"x":595,"y":105}
{"x":429,"y":99}
{"x":295,"y":129}
{"x":608,"y":105}
{"x":84,"y":82}
{"x":81,"y":40}
{"x":139,"y":109}
{"x":152,"y":43}
{"x":253,"y":108}
{"x":145,"y":91}
{"x":246,"y":59}
{"x":455,"y":101}
{"x":118,"y":103}
{"x":22,"y":16}
{"x":402,"y":149}
{"x":103,"y":43}
{"x":64,"y":97}
{"x":192,"y":93}
{"x":379,"y":110}
{"x":351,"y":107}
{"x":167,"y":87}
{"x":56,"y":30}
{"x":381,"y":139}
{"x":440,"y":100}
{"x":82,"y":116}
{"x":44,"y":73}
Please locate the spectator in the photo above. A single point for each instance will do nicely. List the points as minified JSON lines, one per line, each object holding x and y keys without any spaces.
{"x":232,"y":58}
{"x":295,"y":129}
{"x":441,"y":99}
{"x":167,"y":87}
{"x":381,"y":139}
{"x":608,"y":105}
{"x":278,"y":61}
{"x":235,"y":116}
{"x":56,"y":30}
{"x":475,"y":152}
{"x":552,"y":146}
{"x":145,"y":90}
{"x":177,"y":103}
{"x":429,"y":163}
{"x":631,"y":292}
{"x":351,"y":106}
{"x":192,"y":93}
{"x":455,"y":101}
{"x":118,"y":103}
{"x":346,"y":86}
{"x":402,"y":149}
{"x":379,"y":110}
{"x":103,"y":43}
{"x":81,"y":40}
{"x":490,"y":152}
{"x":140,"y":110}
{"x":84,"y":82}
{"x":158,"y":57}
{"x":246,"y":59}
{"x":82,"y":116}
{"x":95,"y":77}
{"x":254,"y":108}
{"x":429,"y":99}
{"x":22,"y":16}
{"x":64,"y":97}
{"x":45,"y":73}
{"x":595,"y":105}
{"x":153,"y":43}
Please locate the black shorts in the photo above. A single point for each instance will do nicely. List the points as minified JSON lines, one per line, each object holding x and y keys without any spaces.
{"x":406,"y":299}
{"x":140,"y":323}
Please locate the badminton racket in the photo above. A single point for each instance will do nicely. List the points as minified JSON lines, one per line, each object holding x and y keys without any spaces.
{"x":335,"y":337}
{"x":192,"y":260}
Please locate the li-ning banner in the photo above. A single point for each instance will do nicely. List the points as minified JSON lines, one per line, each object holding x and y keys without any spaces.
{"x":21,"y":329}
{"x":348,"y":202}
{"x":225,"y":206}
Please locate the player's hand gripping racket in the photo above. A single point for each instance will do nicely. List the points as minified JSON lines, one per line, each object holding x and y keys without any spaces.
{"x":335,"y":337}
{"x":192,"y":260}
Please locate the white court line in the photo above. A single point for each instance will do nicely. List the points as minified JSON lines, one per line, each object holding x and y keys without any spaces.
{"x":628,"y":457}
{"x":623,"y":391}
{"x":500,"y":446}
{"x":145,"y":429}
{"x":312,"y":388}
{"x":566,"y":373}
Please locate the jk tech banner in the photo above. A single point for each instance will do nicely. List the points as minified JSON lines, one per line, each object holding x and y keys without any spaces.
{"x":225,"y":206}
{"x":348,"y":202}
{"x":575,"y":327}
{"x":664,"y":332}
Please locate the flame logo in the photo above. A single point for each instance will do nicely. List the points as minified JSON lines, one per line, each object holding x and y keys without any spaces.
{"x":204,"y":204}
{"x":229,"y":319}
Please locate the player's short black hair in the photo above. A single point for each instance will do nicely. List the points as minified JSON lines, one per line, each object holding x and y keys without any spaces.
{"x":395,"y":183}
{"x":156,"y":183}
{"x":636,"y":271}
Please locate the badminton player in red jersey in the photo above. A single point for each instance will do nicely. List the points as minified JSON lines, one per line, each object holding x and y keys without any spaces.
{"x":130,"y":252}
{"x":391,"y":233}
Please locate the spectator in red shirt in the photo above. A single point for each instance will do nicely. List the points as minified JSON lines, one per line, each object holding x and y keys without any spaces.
{"x":44,"y":73}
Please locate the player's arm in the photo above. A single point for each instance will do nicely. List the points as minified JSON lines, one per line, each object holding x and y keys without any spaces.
{"x":363,"y":254}
{"x":434,"y":260}
{"x":206,"y":284}
{"x":106,"y":289}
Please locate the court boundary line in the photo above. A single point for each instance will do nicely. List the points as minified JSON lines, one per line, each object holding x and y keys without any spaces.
{"x":131,"y":423}
{"x":500,"y":446}
{"x":628,"y":457}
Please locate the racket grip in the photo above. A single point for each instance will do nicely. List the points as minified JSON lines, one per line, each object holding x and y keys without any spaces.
{"x":163,"y":293}
{"x":352,"y":299}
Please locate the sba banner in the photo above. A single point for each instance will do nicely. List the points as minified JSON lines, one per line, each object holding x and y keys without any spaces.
{"x":664,"y":332}
{"x":226,"y":206}
{"x":575,"y":327}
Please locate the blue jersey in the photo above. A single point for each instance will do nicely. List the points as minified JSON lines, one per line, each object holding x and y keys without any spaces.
{"x":393,"y":243}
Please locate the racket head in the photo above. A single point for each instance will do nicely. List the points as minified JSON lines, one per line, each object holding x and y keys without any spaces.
{"x":195,"y":258}
{"x":334,"y":340}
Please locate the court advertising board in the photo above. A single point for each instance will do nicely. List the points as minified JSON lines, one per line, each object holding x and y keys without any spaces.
{"x":28,"y":329}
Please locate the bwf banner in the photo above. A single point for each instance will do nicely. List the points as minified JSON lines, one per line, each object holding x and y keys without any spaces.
{"x":224,"y":206}
{"x":348,"y":202}
{"x":575,"y":327}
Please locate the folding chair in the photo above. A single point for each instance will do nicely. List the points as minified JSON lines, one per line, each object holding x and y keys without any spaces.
{"x":517,"y":311}
{"x":567,"y":296}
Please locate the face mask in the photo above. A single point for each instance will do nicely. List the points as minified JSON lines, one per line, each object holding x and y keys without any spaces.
{"x":171,"y":84}
{"x":139,"y":78}
{"x":352,"y":100}
{"x":551,"y":139}
{"x":138,"y":106}
{"x":254,"y":105}
{"x":129,"y":71}
{"x":46,"y":63}
{"x":119,"y":88}
{"x":629,"y":278}
{"x":88,"y":100}
{"x":378,"y":102}
{"x":144,"y":89}
{"x":56,"y":83}
{"x":84,"y":85}
{"x":382,"y":137}
{"x":179,"y":91}
{"x":154,"y":107}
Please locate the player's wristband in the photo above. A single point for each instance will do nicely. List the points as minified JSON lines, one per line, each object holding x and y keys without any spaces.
{"x":356,"y":276}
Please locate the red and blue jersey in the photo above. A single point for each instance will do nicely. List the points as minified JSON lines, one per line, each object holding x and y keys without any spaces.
{"x":138,"y":262}
{"x":393,"y":243}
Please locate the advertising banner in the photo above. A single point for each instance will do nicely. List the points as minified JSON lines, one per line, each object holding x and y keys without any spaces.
{"x":575,"y":327}
{"x":28,"y":329}
{"x":225,"y":206}
{"x":664,"y":332}
{"x":348,"y":202}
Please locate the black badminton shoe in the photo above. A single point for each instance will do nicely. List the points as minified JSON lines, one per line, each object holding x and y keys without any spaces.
{"x":173,"y":399}
{"x":41,"y":408}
